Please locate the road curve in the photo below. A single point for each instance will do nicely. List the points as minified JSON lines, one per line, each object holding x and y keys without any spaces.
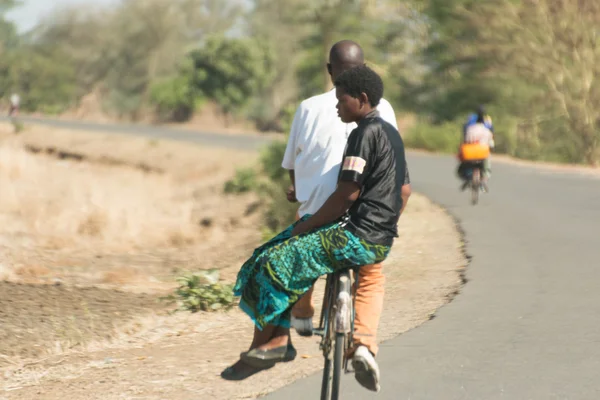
{"x":526,"y":325}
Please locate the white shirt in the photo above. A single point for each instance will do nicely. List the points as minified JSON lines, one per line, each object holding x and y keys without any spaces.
{"x":15,"y":99}
{"x":316,"y":147}
{"x":479,"y":133}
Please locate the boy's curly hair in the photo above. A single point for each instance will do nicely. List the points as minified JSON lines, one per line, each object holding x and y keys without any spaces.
{"x":361,"y":79}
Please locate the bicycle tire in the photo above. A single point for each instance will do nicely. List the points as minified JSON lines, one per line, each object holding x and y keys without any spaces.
{"x":338,"y":365}
{"x":327,"y":321}
{"x":327,"y":379}
{"x":475,"y":186}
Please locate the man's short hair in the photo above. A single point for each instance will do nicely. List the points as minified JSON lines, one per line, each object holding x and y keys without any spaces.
{"x":361,"y":79}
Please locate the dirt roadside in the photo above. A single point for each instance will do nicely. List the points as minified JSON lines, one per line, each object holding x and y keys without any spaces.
{"x":153,"y":355}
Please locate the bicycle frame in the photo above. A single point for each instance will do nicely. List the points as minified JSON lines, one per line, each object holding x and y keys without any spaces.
{"x":337,"y":319}
{"x":338,"y":283}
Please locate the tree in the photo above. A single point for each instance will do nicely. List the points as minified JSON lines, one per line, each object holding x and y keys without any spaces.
{"x":8,"y":32}
{"x":230,"y":71}
{"x":555,"y":44}
{"x":324,"y":22}
{"x":452,"y":82}
{"x":121,"y":51}
{"x":268,"y":23}
{"x":44,"y":81}
{"x":176,"y":97}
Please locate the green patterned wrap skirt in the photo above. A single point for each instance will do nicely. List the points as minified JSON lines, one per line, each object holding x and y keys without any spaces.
{"x":283,"y":269}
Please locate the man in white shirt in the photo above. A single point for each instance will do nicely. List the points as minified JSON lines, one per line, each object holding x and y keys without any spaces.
{"x":313,"y":156}
{"x":479,"y":133}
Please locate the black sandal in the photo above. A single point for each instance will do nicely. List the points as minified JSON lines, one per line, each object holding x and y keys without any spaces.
{"x":259,"y":358}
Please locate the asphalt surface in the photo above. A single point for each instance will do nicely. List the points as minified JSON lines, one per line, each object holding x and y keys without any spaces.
{"x":527,"y":323}
{"x":238,"y":142}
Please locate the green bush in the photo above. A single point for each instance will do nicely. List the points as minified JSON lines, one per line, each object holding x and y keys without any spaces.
{"x":270,"y":182}
{"x":174,"y":98}
{"x":202,"y":291}
{"x":286,"y":117}
{"x":244,"y":181}
{"x":443,"y":138}
{"x":18,"y":126}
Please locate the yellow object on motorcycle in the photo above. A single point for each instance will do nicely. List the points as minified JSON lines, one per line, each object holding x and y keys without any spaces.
{"x":474,"y":152}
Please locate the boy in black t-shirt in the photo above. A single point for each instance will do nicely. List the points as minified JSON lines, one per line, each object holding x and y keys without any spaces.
{"x":374,"y":166}
{"x":374,"y":158}
{"x":356,"y":226}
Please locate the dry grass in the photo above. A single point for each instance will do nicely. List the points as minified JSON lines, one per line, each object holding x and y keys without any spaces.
{"x":422,"y":273}
{"x":111,"y":199}
{"x":84,"y":211}
{"x":73,"y":202}
{"x":125,"y":226}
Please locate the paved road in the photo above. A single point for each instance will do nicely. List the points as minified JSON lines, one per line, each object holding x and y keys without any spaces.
{"x":202,"y":138}
{"x":527,"y":324}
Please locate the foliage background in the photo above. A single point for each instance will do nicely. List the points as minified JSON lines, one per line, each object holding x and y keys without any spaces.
{"x":534,"y":63}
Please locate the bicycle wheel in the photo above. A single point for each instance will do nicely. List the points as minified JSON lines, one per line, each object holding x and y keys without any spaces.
{"x":327,"y":379}
{"x":327,"y":326}
{"x":343,"y":327}
{"x":338,"y":365}
{"x":475,"y":186}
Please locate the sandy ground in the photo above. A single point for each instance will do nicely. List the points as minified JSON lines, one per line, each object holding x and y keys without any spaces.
{"x":87,"y":303}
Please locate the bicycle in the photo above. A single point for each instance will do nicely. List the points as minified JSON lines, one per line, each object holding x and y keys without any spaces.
{"x":473,"y":173}
{"x":336,"y":327}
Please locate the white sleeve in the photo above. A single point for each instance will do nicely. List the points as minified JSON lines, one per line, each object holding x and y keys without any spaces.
{"x":386,"y":112}
{"x":289,"y":158}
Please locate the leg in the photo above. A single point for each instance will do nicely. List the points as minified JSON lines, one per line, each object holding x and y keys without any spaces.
{"x":241,"y":369}
{"x":263,"y":337}
{"x":487,"y":173}
{"x":461,"y":174}
{"x":368,"y":308}
{"x":281,"y":271}
{"x":487,"y":167}
{"x":302,"y":314}
{"x":304,"y":307}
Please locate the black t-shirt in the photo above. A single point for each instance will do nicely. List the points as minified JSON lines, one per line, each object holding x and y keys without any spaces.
{"x":374,"y":158}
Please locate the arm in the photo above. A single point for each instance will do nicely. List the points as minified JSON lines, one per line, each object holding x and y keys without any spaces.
{"x":386,"y":112}
{"x":289,"y":158}
{"x":406,"y":190}
{"x":355,"y":168}
{"x":291,"y":192}
{"x":336,"y":205}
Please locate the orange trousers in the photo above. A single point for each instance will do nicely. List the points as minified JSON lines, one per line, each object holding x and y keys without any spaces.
{"x":368,"y":306}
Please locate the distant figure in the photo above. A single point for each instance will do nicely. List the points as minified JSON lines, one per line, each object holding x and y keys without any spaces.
{"x":15,"y":101}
